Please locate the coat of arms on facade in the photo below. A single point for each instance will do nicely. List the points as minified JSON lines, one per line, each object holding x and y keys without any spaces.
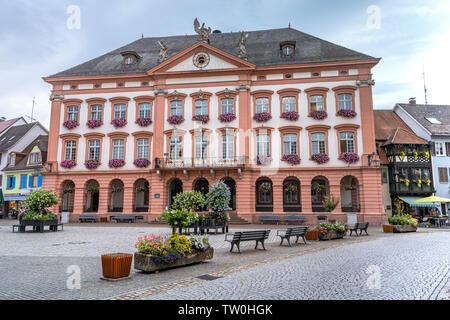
{"x":241,"y":47}
{"x":203,"y":32}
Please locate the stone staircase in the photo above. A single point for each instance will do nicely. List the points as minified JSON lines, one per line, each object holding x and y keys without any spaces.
{"x":236,"y":220}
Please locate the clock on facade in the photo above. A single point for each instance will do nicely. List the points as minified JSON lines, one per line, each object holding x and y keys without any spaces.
{"x":201,"y":60}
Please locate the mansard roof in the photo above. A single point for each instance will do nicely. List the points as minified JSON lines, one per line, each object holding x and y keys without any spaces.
{"x":263,"y":48}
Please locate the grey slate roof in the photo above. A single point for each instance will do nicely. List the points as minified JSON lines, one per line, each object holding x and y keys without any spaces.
{"x":14,"y":134}
{"x":421,"y":111}
{"x":263,"y":49}
{"x":42,"y":143}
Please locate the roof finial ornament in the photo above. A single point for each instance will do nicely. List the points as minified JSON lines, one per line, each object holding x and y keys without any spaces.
{"x":162,"y":51}
{"x":242,"y":50}
{"x":203,"y":32}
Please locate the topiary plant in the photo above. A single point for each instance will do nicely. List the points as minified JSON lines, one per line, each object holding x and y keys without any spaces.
{"x":188,"y":200}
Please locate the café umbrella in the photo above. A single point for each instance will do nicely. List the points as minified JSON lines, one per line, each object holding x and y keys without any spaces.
{"x":433,"y":199}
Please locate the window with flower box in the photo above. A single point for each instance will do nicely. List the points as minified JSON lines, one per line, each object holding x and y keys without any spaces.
{"x":96,"y":112}
{"x":144,"y":110}
{"x":201,"y":107}
{"x":94,"y":150}
{"x":317,"y":103}
{"x":290,"y":144}
{"x":318,"y":143}
{"x":118,"y":150}
{"x":347,"y":142}
{"x":176,"y":108}
{"x":143,"y":148}
{"x":70,"y":150}
{"x":120,"y":111}
{"x":262,"y":105}
{"x":263,"y":144}
{"x":227,"y":105}
{"x":72,"y":113}
{"x":345,"y":101}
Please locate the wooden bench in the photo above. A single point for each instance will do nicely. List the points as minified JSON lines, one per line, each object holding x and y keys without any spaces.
{"x":269,"y":218}
{"x":123,"y":217}
{"x":88,"y":218}
{"x":361,"y":226}
{"x":292,"y":232}
{"x":300,"y":219}
{"x":238,"y":237}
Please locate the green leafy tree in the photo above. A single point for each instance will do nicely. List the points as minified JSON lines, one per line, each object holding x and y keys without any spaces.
{"x":218,"y":198}
{"x":188,"y":200}
{"x":38,"y":201}
{"x":179,"y":218}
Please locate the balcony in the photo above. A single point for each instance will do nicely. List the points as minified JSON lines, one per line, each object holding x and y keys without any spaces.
{"x":195,"y":163}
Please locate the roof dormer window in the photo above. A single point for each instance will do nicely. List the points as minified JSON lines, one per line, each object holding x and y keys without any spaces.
{"x":287,"y":48}
{"x":130,"y":57}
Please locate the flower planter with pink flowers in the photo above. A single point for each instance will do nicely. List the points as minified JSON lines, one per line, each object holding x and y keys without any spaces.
{"x":92,"y":164}
{"x":292,"y":159}
{"x":320,"y":158}
{"x":227,"y":117}
{"x":174,"y":120}
{"x":144,"y":122}
{"x":349,"y":157}
{"x":347,"y":113}
{"x":318,"y":115}
{"x":116,"y":163}
{"x":290,"y":115}
{"x":263,"y":160}
{"x":203,"y":118}
{"x":142,"y":163}
{"x":119,"y":123}
{"x":68,"y":164}
{"x":92,"y":124}
{"x":262,"y":117}
{"x":71,"y":124}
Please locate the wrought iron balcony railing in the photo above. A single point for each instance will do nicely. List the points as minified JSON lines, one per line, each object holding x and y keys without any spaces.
{"x":196,"y":163}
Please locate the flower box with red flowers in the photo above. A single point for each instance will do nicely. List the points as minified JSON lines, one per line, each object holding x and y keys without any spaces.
{"x":262,"y":117}
{"x":174,"y":120}
{"x":349,"y":157}
{"x":292,"y":159}
{"x":227,"y":117}
{"x":119,"y":123}
{"x":68,"y":164}
{"x":92,"y":164}
{"x":347,"y":113}
{"x":290,"y":115}
{"x":204,"y":118}
{"x":142,"y":163}
{"x":94,"y":123}
{"x":320,"y":158}
{"x":116,"y":163}
{"x":144,"y":122}
{"x":71,"y":124}
{"x":318,"y":115}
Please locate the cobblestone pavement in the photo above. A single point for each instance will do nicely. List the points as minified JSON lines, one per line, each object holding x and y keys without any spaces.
{"x":33,"y":266}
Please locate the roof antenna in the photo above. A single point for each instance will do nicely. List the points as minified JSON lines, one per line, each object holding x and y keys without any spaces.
{"x":289,"y":25}
{"x":142,"y":36}
{"x":32,"y":111}
{"x":424,"y":84}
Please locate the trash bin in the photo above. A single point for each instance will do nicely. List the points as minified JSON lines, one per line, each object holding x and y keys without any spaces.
{"x":116,"y":265}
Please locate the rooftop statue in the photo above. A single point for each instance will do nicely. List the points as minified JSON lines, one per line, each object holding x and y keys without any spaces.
{"x":242,"y":49}
{"x":203,"y":32}
{"x":162,"y":51}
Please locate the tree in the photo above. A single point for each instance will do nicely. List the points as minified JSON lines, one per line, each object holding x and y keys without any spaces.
{"x":188,"y":200}
{"x":218,"y":198}
{"x":37,"y":201}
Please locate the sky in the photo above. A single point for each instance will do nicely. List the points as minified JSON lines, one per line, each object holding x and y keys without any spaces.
{"x":39,"y":38}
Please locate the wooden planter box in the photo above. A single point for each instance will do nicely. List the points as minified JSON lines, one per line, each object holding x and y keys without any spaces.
{"x":145,"y":263}
{"x":116,"y":265}
{"x":406,"y":228}
{"x":332,"y":235}
{"x":388,"y":228}
{"x":312,"y":234}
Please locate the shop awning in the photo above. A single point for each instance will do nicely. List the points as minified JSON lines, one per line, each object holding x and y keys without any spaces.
{"x":14,"y":198}
{"x":409,"y":201}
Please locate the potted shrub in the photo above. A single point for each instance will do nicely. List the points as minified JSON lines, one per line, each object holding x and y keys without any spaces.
{"x":331,"y":231}
{"x":218,"y":200}
{"x":402,"y":222}
{"x":177,"y":218}
{"x":37,"y":214}
{"x":155,"y":253}
{"x":227,"y":117}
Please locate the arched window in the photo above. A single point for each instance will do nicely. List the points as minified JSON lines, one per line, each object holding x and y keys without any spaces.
{"x":291,"y":195}
{"x":264,"y":195}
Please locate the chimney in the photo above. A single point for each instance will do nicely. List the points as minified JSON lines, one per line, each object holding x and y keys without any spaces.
{"x":412,"y":101}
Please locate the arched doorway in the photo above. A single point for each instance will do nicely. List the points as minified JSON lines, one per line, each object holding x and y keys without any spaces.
{"x":350,"y":194}
{"x":320,"y":189}
{"x":264,"y":195}
{"x":116,"y":191}
{"x":141,"y":195}
{"x":232,"y":185}
{"x":175,"y":187}
{"x":291,"y":195}
{"x":202,"y":186}
{"x":67,"y":196}
{"x":91,"y":196}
